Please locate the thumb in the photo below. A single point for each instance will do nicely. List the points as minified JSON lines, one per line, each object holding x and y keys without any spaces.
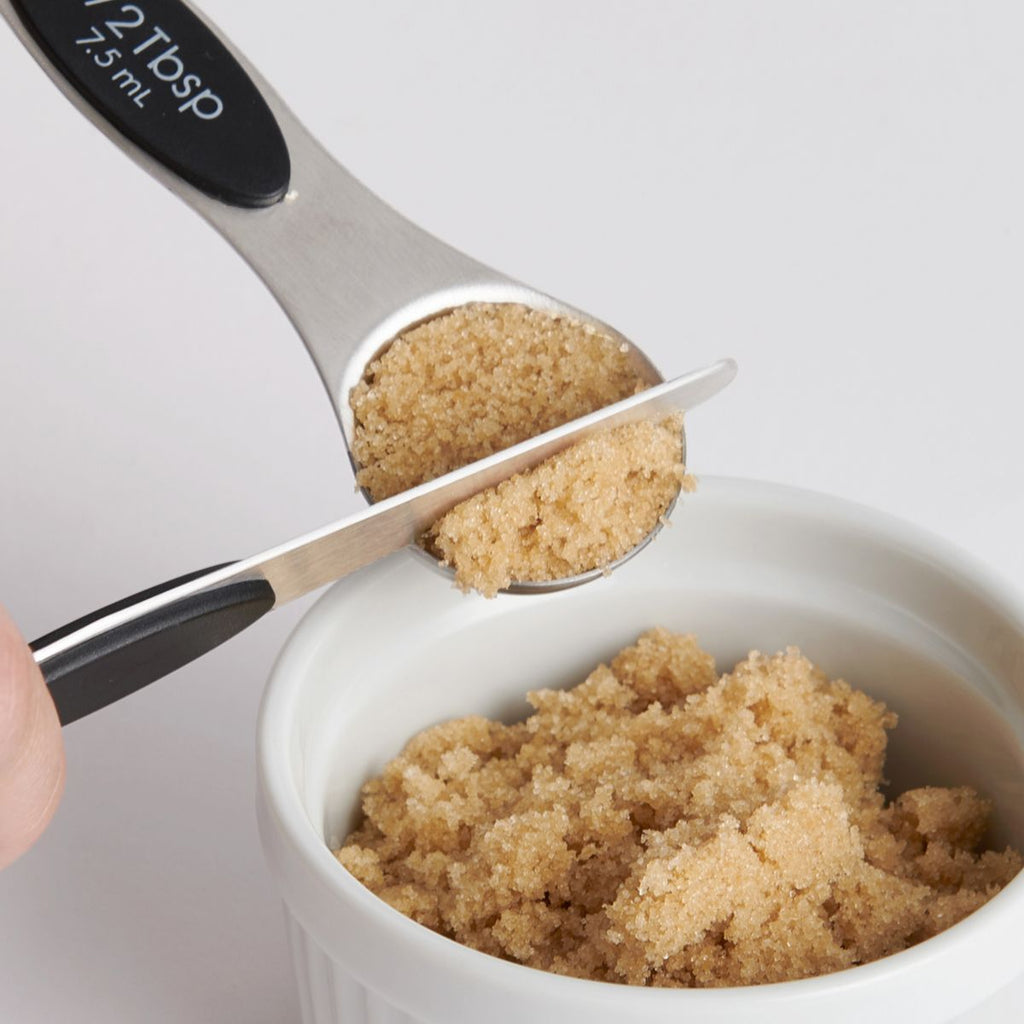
{"x":31,"y":748}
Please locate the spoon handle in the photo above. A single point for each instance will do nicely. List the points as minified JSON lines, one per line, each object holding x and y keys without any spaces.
{"x":186,"y":106}
{"x":157,"y":74}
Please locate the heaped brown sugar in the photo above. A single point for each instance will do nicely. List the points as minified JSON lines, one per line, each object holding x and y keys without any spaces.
{"x":483,"y":377}
{"x":583,"y":508}
{"x":659,"y":825}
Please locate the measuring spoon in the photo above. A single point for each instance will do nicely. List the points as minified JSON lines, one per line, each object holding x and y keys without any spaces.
{"x":349,"y":271}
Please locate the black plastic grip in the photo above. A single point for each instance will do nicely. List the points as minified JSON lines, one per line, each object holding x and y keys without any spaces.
{"x":156,"y":73}
{"x":96,"y":672}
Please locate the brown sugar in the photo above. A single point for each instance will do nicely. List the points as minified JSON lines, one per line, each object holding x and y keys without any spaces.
{"x":659,"y":825}
{"x":585,"y":507}
{"x":486,"y":376}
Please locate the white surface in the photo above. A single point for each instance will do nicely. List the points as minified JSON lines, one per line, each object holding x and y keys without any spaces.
{"x":828,"y":192}
{"x":747,"y":565}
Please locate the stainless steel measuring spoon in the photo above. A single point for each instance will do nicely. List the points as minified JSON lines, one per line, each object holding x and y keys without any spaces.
{"x":114,"y":652}
{"x":350,"y":272}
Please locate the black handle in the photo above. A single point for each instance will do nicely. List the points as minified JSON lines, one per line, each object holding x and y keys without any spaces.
{"x":154,"y":71}
{"x":96,"y":672}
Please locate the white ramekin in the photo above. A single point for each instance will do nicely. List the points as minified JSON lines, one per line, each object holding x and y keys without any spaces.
{"x":745,"y":565}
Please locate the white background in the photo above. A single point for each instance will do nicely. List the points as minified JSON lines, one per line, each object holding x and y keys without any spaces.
{"x":829,"y":192}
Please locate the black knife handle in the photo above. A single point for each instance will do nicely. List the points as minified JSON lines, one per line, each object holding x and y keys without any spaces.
{"x":97,"y":671}
{"x":157,"y":73}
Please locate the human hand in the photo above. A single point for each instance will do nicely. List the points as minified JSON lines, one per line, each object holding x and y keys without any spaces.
{"x":31,"y":747}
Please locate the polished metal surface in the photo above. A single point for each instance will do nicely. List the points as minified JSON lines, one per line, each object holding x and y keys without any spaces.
{"x":350,"y":272}
{"x":327,"y":554}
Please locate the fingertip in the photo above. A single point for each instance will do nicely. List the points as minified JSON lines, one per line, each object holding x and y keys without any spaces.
{"x":32,"y":765}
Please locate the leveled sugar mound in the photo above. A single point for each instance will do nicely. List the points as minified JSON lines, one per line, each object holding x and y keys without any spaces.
{"x":580,"y":509}
{"x":476,"y":380}
{"x":658,"y":825}
{"x":483,"y":377}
